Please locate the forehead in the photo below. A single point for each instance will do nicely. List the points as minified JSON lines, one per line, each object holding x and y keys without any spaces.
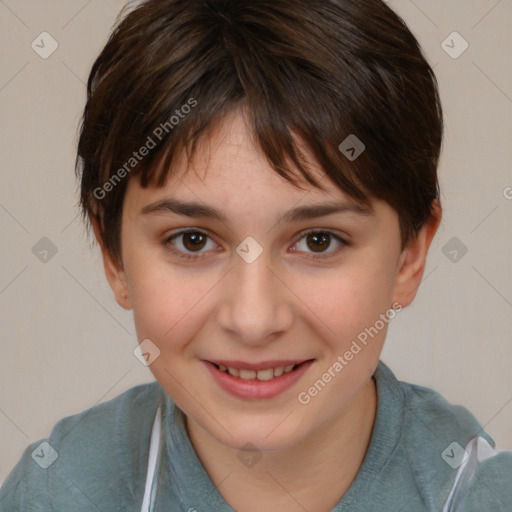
{"x":230,"y":180}
{"x":230,"y":163}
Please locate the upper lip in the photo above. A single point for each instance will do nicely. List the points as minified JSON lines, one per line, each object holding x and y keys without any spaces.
{"x":264,"y":365}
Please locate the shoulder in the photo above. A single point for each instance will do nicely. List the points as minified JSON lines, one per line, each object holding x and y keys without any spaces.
{"x":428,"y":414}
{"x":94,"y":455}
{"x":451,"y":454}
{"x":484,"y":480}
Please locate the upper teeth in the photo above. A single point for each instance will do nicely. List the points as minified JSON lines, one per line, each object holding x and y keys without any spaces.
{"x":267,"y":374}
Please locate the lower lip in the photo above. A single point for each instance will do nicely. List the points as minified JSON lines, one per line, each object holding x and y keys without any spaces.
{"x":255,"y":389}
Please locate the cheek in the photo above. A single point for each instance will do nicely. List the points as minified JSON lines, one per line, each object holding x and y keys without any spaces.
{"x":344,"y":301}
{"x":168,"y":303}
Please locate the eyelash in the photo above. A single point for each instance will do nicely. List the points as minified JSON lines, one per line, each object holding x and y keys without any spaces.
{"x":188,"y":256}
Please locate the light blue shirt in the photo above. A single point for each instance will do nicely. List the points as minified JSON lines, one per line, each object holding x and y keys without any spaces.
{"x":132,"y":454}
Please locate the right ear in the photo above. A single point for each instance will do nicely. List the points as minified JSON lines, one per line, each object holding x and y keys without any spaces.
{"x":114,"y":273}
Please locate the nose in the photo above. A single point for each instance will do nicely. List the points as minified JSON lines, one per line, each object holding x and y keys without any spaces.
{"x":256,"y":304}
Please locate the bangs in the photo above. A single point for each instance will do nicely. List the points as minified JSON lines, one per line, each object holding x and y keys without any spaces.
{"x":308,"y":76}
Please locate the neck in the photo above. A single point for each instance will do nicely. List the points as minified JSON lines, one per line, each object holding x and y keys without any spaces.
{"x":311,"y":475}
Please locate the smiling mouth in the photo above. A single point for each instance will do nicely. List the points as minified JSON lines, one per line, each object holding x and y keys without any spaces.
{"x":259,"y":375}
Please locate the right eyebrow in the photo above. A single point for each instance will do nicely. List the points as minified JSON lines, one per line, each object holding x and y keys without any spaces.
{"x":187,"y":209}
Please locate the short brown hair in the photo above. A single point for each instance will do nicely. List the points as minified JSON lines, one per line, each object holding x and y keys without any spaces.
{"x":317,"y":70}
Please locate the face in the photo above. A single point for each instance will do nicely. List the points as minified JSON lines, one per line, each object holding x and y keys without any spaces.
{"x":256,"y":289}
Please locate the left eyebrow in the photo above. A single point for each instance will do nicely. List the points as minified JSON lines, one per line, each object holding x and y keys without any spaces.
{"x":313,"y":211}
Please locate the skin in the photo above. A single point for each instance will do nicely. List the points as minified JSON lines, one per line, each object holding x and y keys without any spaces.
{"x":283,"y":305}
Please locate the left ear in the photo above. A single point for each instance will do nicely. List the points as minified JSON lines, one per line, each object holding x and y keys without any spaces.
{"x":413,"y":259}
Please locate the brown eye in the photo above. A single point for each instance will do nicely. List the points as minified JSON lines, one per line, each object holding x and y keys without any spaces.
{"x":193,"y":241}
{"x":189,"y":244}
{"x":319,"y":242}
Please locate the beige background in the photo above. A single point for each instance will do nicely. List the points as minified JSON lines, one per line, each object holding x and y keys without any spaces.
{"x":66,"y":345}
